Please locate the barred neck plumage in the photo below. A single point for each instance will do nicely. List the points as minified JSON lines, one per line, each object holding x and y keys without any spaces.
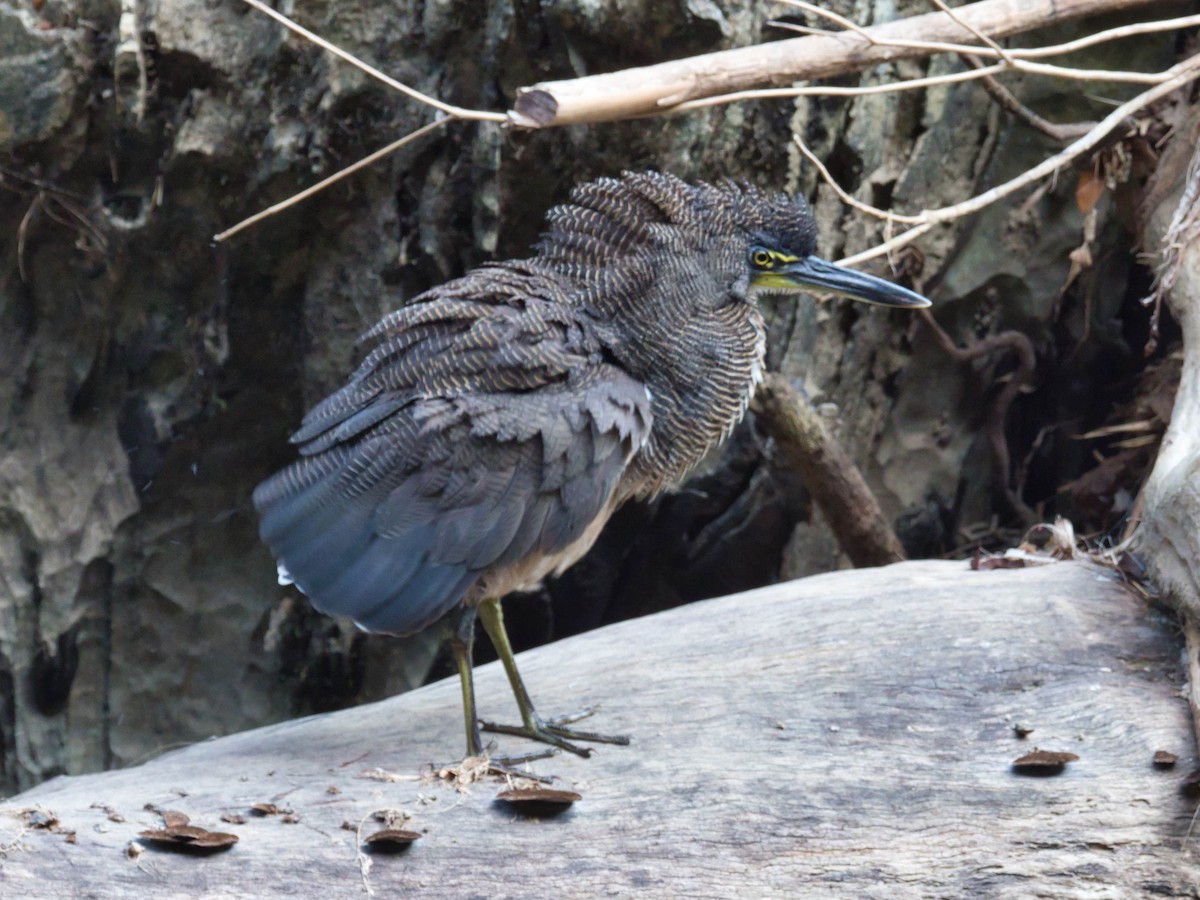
{"x":661,"y":267}
{"x":616,"y":232}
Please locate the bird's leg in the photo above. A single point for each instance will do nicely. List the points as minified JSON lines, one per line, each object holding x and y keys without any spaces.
{"x":533,"y":726}
{"x":462,"y":641}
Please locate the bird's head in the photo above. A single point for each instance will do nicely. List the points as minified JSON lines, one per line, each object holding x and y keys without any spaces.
{"x":781,"y":241}
{"x":619,"y":235}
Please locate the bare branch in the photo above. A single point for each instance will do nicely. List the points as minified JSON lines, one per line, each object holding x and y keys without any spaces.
{"x":852,"y":511}
{"x":690,"y":84}
{"x":652,"y":90}
{"x":1005,"y":98}
{"x":1012,"y":53}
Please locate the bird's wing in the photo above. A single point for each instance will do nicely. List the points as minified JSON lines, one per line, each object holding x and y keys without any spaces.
{"x":481,"y":428}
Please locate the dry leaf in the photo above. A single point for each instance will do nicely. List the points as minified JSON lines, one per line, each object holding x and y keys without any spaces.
{"x":1088,"y":191}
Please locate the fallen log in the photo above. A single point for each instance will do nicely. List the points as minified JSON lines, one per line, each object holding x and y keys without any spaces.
{"x":849,"y":734}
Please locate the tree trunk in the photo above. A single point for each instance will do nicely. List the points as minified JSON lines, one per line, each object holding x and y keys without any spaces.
{"x":1171,"y":515}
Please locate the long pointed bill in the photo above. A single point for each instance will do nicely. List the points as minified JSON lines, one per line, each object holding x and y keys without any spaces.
{"x":820,"y":276}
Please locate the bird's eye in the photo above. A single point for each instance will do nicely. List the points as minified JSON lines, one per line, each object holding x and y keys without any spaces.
{"x":761,"y":259}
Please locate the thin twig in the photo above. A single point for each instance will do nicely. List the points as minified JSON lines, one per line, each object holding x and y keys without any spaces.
{"x":23,"y":235}
{"x":804,"y":29}
{"x":449,"y":111}
{"x":1183,"y":73}
{"x":1102,"y":37}
{"x":337,"y":176}
{"x":822,"y":13}
{"x":847,"y":198}
{"x":1008,"y":101}
{"x":887,"y":247}
{"x":837,"y":91}
{"x":1035,"y":68}
{"x":979,"y":35}
{"x":48,"y":186}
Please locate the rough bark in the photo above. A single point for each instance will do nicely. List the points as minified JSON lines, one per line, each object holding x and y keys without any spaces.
{"x":848,"y":734}
{"x":1170,"y":533}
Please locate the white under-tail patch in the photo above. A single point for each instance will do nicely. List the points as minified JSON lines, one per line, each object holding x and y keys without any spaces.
{"x":285,"y":577}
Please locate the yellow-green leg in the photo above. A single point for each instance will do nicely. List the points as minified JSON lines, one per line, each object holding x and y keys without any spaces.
{"x":462,"y":641}
{"x":551,"y":731}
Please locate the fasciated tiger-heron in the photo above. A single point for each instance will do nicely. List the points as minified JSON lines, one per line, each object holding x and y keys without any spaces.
{"x":498,"y":420}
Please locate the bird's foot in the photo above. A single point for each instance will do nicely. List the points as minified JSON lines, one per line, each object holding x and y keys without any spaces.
{"x":555,"y":733}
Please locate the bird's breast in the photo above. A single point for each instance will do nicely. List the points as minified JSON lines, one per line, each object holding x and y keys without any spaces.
{"x":698,"y":397}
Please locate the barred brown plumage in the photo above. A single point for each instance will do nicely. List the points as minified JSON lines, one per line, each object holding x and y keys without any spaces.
{"x":499,"y":419}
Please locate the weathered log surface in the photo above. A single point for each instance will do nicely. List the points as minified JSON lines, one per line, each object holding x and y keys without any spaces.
{"x":849,"y":734}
